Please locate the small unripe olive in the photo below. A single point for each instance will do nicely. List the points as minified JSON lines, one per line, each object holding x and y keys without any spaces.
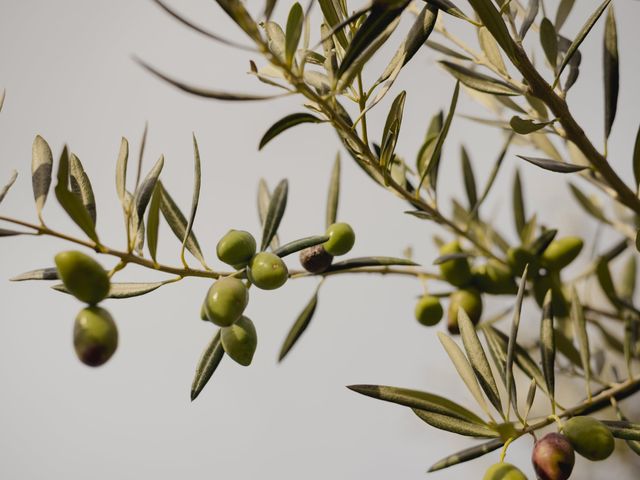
{"x":455,"y":271}
{"x":315,"y":259}
{"x":551,"y":281}
{"x":494,"y":278}
{"x":553,"y":457}
{"x":470,"y":301}
{"x":428,"y":310}
{"x":203,"y":311}
{"x":503,"y":471}
{"x":518,"y":258}
{"x":267,"y":271}
{"x":226,"y":300}
{"x":95,"y":336}
{"x":561,"y":252}
{"x":240,"y":340}
{"x":341,"y":239}
{"x":83,"y":277}
{"x":236,"y":248}
{"x":589,"y":437}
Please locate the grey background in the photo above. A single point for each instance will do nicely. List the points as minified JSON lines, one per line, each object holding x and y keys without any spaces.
{"x":69,"y":76}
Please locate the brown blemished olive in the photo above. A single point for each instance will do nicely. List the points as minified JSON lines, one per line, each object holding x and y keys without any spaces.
{"x":553,"y":457}
{"x":315,"y":259}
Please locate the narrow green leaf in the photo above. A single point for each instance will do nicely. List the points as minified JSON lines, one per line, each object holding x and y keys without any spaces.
{"x":121,"y":170}
{"x":553,"y":165}
{"x":479,"y":81}
{"x":300,"y":325}
{"x":478,"y":359}
{"x":464,"y":369}
{"x":531,"y":396}
{"x":239,"y":14}
{"x":286,"y":123}
{"x":143,"y":144}
{"x":50,"y":273}
{"x":391,"y":130}
{"x":636,"y":158}
{"x":275,"y":212}
{"x":438,"y":47}
{"x":143,"y":193}
{"x":611,"y":71}
{"x":623,"y":429}
{"x":122,"y":290}
{"x":416,"y":399}
{"x":513,"y":337}
{"x":606,"y":282}
{"x":587,"y":204}
{"x":549,"y":41}
{"x":532,"y":13}
{"x":499,"y":357}
{"x":493,"y":175}
{"x":153,"y":222}
{"x":41,"y":169}
{"x":467,"y":454}
{"x":564,"y":9}
{"x":81,"y":186}
{"x":541,"y":243}
{"x":10,"y":233}
{"x":294,"y":31}
{"x":333,"y":197}
{"x":491,"y":50}
{"x":2,"y":97}
{"x":492,"y":19}
{"x":197,"y":176}
{"x":577,"y":317}
{"x":301,"y":244}
{"x":449,"y":8}
{"x":626,"y":286}
{"x":178,"y":223}
{"x":70,"y":202}
{"x":363,"y":262}
{"x":469,"y":178}
{"x":525,"y":126}
{"x":519,"y":214}
{"x":548,"y":347}
{"x":9,"y":184}
{"x":208,"y":363}
{"x":333,"y":18}
{"x":584,"y":31}
{"x":425,"y":153}
{"x":455,"y":425}
{"x":264,"y":199}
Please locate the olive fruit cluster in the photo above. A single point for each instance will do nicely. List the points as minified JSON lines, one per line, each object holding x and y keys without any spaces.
{"x":553,"y":455}
{"x":318,"y":258}
{"x":95,"y":334}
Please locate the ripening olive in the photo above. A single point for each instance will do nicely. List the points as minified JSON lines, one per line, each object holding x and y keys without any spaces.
{"x":236,"y":248}
{"x":226,"y":300}
{"x":518,"y":258}
{"x":83,"y":277}
{"x":470,"y":301}
{"x":457,"y":270}
{"x":503,"y":471}
{"x":95,"y":336}
{"x":341,"y":239}
{"x":561,"y":253}
{"x":551,"y":281}
{"x":553,"y":457}
{"x":240,"y":340}
{"x":267,"y":271}
{"x":315,"y":259}
{"x":589,"y":437}
{"x":428,"y":310}
{"x":494,"y":278}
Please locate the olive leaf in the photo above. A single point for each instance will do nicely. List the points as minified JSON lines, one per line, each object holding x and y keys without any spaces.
{"x":209,"y":361}
{"x":478,"y":359}
{"x":469,"y":178}
{"x":9,"y":184}
{"x":580,"y":325}
{"x":491,"y":50}
{"x":300,"y":325}
{"x":41,"y":168}
{"x":531,"y":396}
{"x":603,"y":275}
{"x":479,"y":81}
{"x":532,"y":13}
{"x":549,"y":41}
{"x":492,"y":175}
{"x":153,"y":222}
{"x":10,"y":233}
{"x":525,"y":126}
{"x":286,"y":123}
{"x":467,"y":454}
{"x":623,"y":429}
{"x":438,"y":47}
{"x":294,"y":31}
{"x":513,"y":337}
{"x":143,"y":193}
{"x":587,"y":204}
{"x":636,"y":158}
{"x":541,"y":243}
{"x":611,"y":71}
{"x":197,"y":175}
{"x":178,"y":223}
{"x":50,"y":273}
{"x":70,"y":202}
{"x":264,"y":199}
{"x":391,"y":131}
{"x":277,"y":206}
{"x":492,"y":19}
{"x":333,"y":195}
{"x":239,"y":14}
{"x":363,"y":262}
{"x":553,"y":165}
{"x":548,"y":347}
{"x":519,"y":214}
{"x":564,"y":9}
{"x":425,"y":153}
{"x":455,"y":425}
{"x":143,"y":144}
{"x":449,"y":8}
{"x":499,"y":357}
{"x":333,"y":18}
{"x":627,"y":283}
{"x":276,"y":40}
{"x":121,"y":171}
{"x":122,"y":290}
{"x":2,"y":97}
{"x":301,"y":244}
{"x":582,"y":34}
{"x":81,"y":186}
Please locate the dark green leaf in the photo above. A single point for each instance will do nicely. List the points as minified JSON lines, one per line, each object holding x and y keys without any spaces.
{"x":525,"y":126}
{"x":333,"y":18}
{"x":145,"y":190}
{"x":333,"y":197}
{"x":519,"y":214}
{"x":587,"y":204}
{"x":10,"y":233}
{"x":513,"y":337}
{"x":548,"y":347}
{"x":264,"y":199}
{"x":41,"y":168}
{"x":611,"y":71}
{"x":455,"y":425}
{"x":297,"y":245}
{"x":277,"y":205}
{"x":541,"y":243}
{"x":40,"y":274}
{"x":208,"y":363}
{"x":549,"y":41}
{"x":300,"y":325}
{"x":467,"y":454}
{"x":479,"y":81}
{"x":606,"y":283}
{"x":294,"y":31}
{"x":564,"y":9}
{"x":532,"y":13}
{"x":553,"y":165}
{"x":238,"y":13}
{"x":5,"y":189}
{"x":580,"y":325}
{"x":122,"y":290}
{"x":623,"y":429}
{"x":636,"y":158}
{"x":81,"y":186}
{"x":492,"y":19}
{"x":446,"y":50}
{"x":369,"y":262}
{"x":391,"y":130}
{"x":197,"y":176}
{"x":153,"y":222}
{"x":448,"y":7}
{"x":286,"y":123}
{"x":469,"y":178}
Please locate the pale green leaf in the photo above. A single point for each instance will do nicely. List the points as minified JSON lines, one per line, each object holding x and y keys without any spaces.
{"x":274,"y":214}
{"x":455,"y":425}
{"x":41,"y":169}
{"x":479,"y":81}
{"x":333,"y":196}
{"x":300,"y":325}
{"x":294,"y":31}
{"x":81,"y":186}
{"x":208,"y":363}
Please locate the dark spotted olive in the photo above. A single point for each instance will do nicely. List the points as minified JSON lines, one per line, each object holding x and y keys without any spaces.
{"x":553,"y":457}
{"x":315,"y":259}
{"x":95,"y":336}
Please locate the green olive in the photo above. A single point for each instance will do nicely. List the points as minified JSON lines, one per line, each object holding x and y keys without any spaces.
{"x":428,"y":310}
{"x":553,"y":457}
{"x":95,"y":336}
{"x":494,"y":278}
{"x":559,"y":302}
{"x":341,"y":239}
{"x":240,"y":341}
{"x":203,"y":312}
{"x":267,"y":271}
{"x":315,"y":259}
{"x":503,"y":471}
{"x":470,"y":301}
{"x":83,"y":277}
{"x":518,"y":258}
{"x":236,"y":248}
{"x":561,"y":253}
{"x":457,"y":270}
{"x":589,"y":437}
{"x":226,"y":300}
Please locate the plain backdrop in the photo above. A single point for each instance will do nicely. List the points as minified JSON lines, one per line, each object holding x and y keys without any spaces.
{"x":69,"y":75}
